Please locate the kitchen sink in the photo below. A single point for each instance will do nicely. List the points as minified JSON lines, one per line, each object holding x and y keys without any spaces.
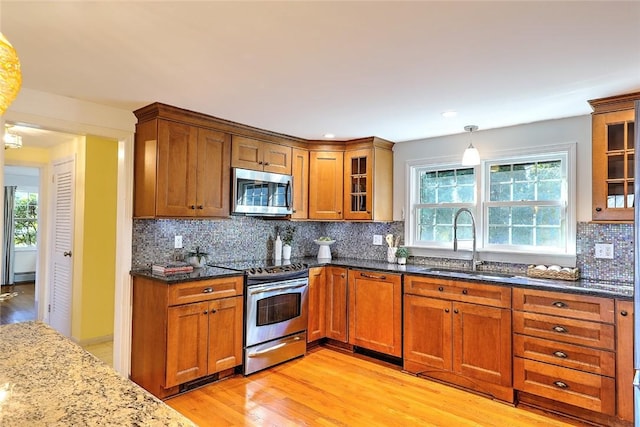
{"x":479,"y":274}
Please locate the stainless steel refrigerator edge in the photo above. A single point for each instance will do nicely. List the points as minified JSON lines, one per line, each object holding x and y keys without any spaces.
{"x":636,"y":272}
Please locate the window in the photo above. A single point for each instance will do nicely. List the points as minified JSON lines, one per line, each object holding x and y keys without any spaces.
{"x":25,"y":210}
{"x":526,"y":204}
{"x":521,"y":204}
{"x":440,"y":193}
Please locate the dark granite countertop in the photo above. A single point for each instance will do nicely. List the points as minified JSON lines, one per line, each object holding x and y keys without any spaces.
{"x":602,"y":288}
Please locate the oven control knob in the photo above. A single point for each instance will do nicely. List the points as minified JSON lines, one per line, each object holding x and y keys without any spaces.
{"x":259,"y":270}
{"x":252,"y":271}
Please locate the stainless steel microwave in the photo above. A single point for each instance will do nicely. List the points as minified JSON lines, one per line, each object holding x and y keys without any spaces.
{"x":261,"y":193}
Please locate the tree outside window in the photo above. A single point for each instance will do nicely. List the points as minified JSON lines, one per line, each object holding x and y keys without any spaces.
{"x":25,"y":210}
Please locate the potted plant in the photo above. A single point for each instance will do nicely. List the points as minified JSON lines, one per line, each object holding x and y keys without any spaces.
{"x":402,"y":254}
{"x":197,"y":258}
{"x":287,"y":239}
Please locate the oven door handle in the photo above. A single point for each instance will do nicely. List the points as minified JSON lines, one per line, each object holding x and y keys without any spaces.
{"x":272,"y":348}
{"x":264,"y":289}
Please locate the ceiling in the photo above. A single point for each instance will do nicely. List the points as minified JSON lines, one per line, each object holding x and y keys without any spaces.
{"x":354,"y":69}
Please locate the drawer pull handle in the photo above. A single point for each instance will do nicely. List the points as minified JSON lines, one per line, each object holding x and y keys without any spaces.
{"x":561,"y":384}
{"x":372,"y":276}
{"x":560,"y":329}
{"x":623,"y":313}
{"x":560,"y":354}
{"x":440,"y":288}
{"x":559,"y":304}
{"x":207,"y":290}
{"x":464,"y":291}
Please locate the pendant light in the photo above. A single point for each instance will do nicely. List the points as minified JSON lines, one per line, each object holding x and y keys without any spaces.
{"x":11,"y":139}
{"x":10,"y":76}
{"x":471,"y":156}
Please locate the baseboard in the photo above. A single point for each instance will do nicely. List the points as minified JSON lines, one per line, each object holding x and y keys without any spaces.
{"x":22,"y":277}
{"x":96,"y":340}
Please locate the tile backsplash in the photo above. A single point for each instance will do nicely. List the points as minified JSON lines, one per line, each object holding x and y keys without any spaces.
{"x":243,"y":238}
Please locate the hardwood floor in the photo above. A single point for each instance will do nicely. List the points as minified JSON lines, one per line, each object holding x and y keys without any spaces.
{"x":17,"y":303}
{"x":329,"y":388}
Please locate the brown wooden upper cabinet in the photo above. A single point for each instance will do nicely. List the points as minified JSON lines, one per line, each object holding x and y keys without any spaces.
{"x":325,"y":184}
{"x":300,"y":173}
{"x":368,"y":184}
{"x":181,"y":170}
{"x":613,"y":131}
{"x":249,"y":153}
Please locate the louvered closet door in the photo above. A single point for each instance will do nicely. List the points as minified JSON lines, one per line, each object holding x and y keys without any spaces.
{"x":62,"y":244}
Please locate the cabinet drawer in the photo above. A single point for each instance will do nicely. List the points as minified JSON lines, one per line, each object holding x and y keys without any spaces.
{"x":589,"y":391}
{"x":567,"y":305}
{"x":495,"y":296}
{"x":586,"y":359}
{"x":571,"y":331}
{"x":202,"y":290}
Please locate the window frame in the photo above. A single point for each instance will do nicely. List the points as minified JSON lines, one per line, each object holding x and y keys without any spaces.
{"x":36,"y":219}
{"x":493,"y":253}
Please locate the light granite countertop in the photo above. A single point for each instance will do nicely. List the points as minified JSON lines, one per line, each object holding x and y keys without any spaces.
{"x":47,"y":380}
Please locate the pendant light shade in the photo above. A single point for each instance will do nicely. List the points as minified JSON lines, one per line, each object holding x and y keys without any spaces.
{"x":10,"y":76}
{"x":11,"y":140}
{"x":471,"y":156}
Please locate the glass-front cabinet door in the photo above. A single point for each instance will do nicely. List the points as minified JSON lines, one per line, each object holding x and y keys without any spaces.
{"x":358,"y":185}
{"x":613,"y":133}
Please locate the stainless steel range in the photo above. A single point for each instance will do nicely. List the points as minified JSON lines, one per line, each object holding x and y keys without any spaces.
{"x":275,"y":313}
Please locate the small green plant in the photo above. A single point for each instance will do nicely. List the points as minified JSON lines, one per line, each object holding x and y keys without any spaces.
{"x":402,"y":252}
{"x":198,"y":254}
{"x":287,"y":234}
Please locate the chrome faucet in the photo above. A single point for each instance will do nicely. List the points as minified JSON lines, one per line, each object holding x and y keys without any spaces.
{"x":474,"y":261}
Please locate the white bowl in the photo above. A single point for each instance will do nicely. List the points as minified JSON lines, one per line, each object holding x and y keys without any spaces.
{"x":325,"y":242}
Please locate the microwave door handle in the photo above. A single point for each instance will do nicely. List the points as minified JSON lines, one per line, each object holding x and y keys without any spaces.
{"x":289,"y":195}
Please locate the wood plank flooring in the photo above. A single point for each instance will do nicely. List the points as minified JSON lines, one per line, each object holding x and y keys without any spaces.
{"x":17,"y":303}
{"x":329,"y":388}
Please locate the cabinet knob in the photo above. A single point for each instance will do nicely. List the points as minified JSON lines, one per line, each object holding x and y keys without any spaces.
{"x":200,"y":207}
{"x":192,"y":206}
{"x":456,"y":311}
{"x":440,"y":288}
{"x":212,"y":311}
{"x":446,"y":310}
{"x":339,"y":212}
{"x":624,"y":313}
{"x":260,"y":162}
{"x":561,"y":384}
{"x":205,"y":312}
{"x":560,"y":354}
{"x":342,"y":275}
{"x":266,"y":163}
{"x":464,"y":291}
{"x":598,"y":209}
{"x":559,"y":304}
{"x":561,"y":329}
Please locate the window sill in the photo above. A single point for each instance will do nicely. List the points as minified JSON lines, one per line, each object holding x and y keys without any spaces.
{"x":564,"y":260}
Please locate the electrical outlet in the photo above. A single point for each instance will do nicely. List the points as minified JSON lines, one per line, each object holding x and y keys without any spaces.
{"x":377,"y":239}
{"x":177,"y":242}
{"x":604,"y":250}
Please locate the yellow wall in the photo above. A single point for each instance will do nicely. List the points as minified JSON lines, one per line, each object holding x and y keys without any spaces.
{"x":97,"y":276}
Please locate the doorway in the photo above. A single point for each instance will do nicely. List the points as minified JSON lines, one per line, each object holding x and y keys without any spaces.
{"x":20,"y":253}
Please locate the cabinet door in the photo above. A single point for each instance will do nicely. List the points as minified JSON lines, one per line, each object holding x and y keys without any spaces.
{"x":358,"y":184}
{"x":624,"y":359}
{"x":482,"y":343}
{"x":187,"y":327}
{"x":246,"y":153}
{"x":613,"y":170}
{"x":276,"y":158}
{"x":177,"y":160}
{"x":427,"y":332}
{"x":213,"y":173}
{"x":225,"y":334}
{"x":300,"y":172}
{"x":336,"y":304}
{"x":316,"y":321}
{"x":325,"y":185}
{"x":375,"y":311}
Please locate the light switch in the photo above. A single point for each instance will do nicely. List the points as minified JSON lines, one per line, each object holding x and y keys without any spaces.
{"x":177,"y":242}
{"x":377,"y":239}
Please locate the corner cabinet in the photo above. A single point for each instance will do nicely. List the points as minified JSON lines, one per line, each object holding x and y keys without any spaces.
{"x":184,"y":332}
{"x":249,"y":153}
{"x":459,"y":332}
{"x":180,"y":170}
{"x":613,"y":131}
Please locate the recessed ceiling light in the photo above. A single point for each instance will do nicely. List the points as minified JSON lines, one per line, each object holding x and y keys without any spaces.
{"x":450,"y":113}
{"x":329,"y":135}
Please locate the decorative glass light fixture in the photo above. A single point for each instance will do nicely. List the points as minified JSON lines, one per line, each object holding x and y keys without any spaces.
{"x":471,"y":156}
{"x":10,"y":76}
{"x":11,"y":140}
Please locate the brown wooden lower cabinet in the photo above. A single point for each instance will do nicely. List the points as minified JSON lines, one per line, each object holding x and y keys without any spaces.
{"x":624,"y":359}
{"x":316,"y":328}
{"x":185,"y":331}
{"x":336,"y":304}
{"x":456,"y":341}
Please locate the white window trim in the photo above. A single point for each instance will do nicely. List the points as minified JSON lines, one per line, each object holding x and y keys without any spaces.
{"x":496,"y":255}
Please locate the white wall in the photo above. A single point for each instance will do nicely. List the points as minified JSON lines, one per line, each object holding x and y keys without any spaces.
{"x":572,"y":129}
